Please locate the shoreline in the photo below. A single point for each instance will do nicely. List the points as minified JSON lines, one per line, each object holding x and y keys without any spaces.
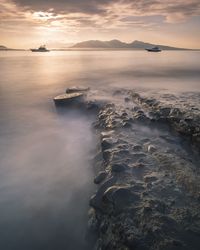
{"x":148,"y":181}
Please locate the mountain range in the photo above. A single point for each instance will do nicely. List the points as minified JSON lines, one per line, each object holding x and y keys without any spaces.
{"x":2,"y":47}
{"x":112,"y":44}
{"x":116,"y":44}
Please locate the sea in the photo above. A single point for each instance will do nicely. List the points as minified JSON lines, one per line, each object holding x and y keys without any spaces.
{"x":46,"y":166}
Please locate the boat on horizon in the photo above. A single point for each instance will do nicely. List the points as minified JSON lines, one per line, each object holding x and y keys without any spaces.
{"x":154,"y":49}
{"x":42,"y":48}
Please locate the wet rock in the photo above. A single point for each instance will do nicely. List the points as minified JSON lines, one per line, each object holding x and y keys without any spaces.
{"x":94,"y":105}
{"x":140,"y":117}
{"x":96,"y":199}
{"x":151,"y":102}
{"x":76,"y":89}
{"x":107,"y":154}
{"x":107,"y":134}
{"x":138,"y":156}
{"x":151,"y":149}
{"x":165,"y":111}
{"x":127,"y":99}
{"x":126,"y":124}
{"x":107,"y":143}
{"x":118,"y":167}
{"x":118,"y":155}
{"x":118,"y":92}
{"x":103,"y":227}
{"x":137,"y":148}
{"x":175,"y":112}
{"x":150,"y":178}
{"x":120,"y":197}
{"x":69,"y":99}
{"x":138,"y":165}
{"x":100,"y":177}
{"x":92,"y":224}
{"x":136,"y":210}
{"x":124,"y":115}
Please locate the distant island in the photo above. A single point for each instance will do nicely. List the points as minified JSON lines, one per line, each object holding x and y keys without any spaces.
{"x":4,"y":48}
{"x":117,"y":44}
{"x":106,"y":45}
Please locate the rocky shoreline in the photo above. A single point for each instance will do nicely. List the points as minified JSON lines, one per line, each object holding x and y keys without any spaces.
{"x":147,"y":165}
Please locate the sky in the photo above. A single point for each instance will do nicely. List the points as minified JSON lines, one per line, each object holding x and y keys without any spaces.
{"x":58,"y":23}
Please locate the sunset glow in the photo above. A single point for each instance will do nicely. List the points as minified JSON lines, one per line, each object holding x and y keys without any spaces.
{"x":25,"y":23}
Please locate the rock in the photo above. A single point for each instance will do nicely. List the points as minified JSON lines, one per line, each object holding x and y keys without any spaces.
{"x":140,"y":117}
{"x":118,"y":155}
{"x":118,"y":167}
{"x":175,"y":112}
{"x":107,"y":154}
{"x":96,"y":199}
{"x":103,"y":227}
{"x":150,"y":178}
{"x":100,"y":177}
{"x":135,"y":108}
{"x":120,"y":197}
{"x":107,"y":134}
{"x":137,"y":148}
{"x":126,"y":124}
{"x":94,"y":105}
{"x":151,"y":102}
{"x":138,"y":156}
{"x":151,"y":149}
{"x":68,"y":99}
{"x":76,"y":89}
{"x":107,"y":143}
{"x":92,"y":223}
{"x":165,"y":111}
{"x":124,"y":115}
{"x":127,"y":99}
{"x":118,"y":92}
{"x":138,"y":165}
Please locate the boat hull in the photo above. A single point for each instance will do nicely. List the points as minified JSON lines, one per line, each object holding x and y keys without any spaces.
{"x":36,"y":50}
{"x":150,"y":50}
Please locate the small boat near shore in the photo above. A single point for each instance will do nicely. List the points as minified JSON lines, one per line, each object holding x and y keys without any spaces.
{"x":154,"y":49}
{"x":42,"y":48}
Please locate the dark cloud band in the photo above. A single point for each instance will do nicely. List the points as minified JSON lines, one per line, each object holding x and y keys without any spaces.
{"x":160,"y":7}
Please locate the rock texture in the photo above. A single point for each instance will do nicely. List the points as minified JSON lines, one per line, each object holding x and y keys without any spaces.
{"x":148,"y":176}
{"x":149,"y":191}
{"x":69,"y":99}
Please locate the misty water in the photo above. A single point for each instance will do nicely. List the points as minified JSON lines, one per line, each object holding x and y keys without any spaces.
{"x":46,"y":174}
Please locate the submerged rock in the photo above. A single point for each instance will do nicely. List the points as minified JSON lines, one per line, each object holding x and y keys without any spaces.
{"x":69,"y":99}
{"x":76,"y":89}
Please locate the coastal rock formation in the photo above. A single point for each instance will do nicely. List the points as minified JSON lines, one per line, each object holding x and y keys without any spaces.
{"x":179,"y":114}
{"x":148,"y":196}
{"x":148,"y":176}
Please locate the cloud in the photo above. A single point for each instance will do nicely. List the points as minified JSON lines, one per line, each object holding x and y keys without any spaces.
{"x":110,"y":10}
{"x":172,"y":10}
{"x":72,"y":16}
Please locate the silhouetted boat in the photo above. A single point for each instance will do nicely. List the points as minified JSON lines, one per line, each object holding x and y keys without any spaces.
{"x":154,"y":49}
{"x":40,"y":49}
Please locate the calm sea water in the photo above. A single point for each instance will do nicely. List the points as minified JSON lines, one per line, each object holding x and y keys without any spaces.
{"x":45,"y":157}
